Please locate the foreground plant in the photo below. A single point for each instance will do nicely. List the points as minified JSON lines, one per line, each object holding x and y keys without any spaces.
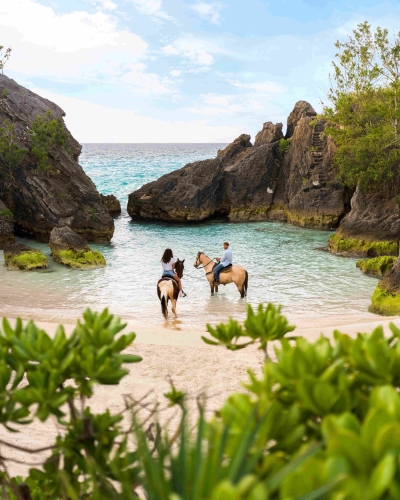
{"x":320,"y":421}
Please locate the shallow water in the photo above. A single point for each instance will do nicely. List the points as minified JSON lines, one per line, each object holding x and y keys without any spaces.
{"x":284,"y":262}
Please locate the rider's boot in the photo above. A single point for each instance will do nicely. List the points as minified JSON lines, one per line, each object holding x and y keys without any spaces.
{"x":182,"y":293}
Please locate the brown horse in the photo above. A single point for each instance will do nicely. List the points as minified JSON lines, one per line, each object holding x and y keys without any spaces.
{"x":168,"y":290}
{"x":235,"y":274}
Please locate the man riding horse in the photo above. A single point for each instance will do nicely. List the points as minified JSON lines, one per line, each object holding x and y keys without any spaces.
{"x":223,"y":262}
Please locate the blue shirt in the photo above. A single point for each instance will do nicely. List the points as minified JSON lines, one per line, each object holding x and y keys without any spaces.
{"x":226,"y":259}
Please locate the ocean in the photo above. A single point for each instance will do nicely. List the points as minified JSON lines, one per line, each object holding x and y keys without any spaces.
{"x":285,"y":263}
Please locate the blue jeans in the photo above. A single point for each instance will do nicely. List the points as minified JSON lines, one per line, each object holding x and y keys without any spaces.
{"x":168,"y":274}
{"x":217,"y":270}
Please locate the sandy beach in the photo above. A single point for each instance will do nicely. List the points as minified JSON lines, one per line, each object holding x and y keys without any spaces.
{"x":181,"y":354}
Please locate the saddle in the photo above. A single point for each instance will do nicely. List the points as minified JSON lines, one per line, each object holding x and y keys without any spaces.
{"x":226,"y":269}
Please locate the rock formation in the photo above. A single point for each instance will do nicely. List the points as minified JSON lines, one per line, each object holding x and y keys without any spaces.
{"x":377,"y":266}
{"x":269,"y":133}
{"x":6,"y":226}
{"x":386,"y":298}
{"x":70,"y":249}
{"x":18,"y":256}
{"x":62,"y":196}
{"x":272,"y":180}
{"x":112,"y":204}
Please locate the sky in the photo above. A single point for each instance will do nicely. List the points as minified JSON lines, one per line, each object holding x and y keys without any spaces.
{"x":179,"y":70}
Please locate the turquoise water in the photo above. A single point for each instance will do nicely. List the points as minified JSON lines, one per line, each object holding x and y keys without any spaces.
{"x":284,"y":262}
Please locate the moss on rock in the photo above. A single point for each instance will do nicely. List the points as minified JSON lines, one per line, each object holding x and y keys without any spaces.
{"x":385,"y":302}
{"x":378,"y":266}
{"x":18,"y":256}
{"x":80,"y":259}
{"x":364,"y":248}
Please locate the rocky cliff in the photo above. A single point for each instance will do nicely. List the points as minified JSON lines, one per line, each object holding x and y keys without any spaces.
{"x":275,"y":179}
{"x":61,"y":196}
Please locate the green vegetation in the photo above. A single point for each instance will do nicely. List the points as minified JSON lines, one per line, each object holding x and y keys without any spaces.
{"x":46,"y":133}
{"x":378,"y":266}
{"x":364,"y":112}
{"x":4,"y":57}
{"x":6,"y":213}
{"x":81,"y":259}
{"x":12,"y":155}
{"x":385,"y":302}
{"x":26,"y":261}
{"x":283,"y":146}
{"x":338,"y":244}
{"x":322,"y":421}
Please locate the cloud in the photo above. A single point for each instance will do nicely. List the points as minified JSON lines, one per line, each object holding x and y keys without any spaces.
{"x":228,"y":104}
{"x":105,"y":4}
{"x":90,"y":122}
{"x":151,"y":8}
{"x":192,"y":49}
{"x":146,"y":84}
{"x":260,"y":86}
{"x":175,"y":72}
{"x":98,"y":52}
{"x":208,"y":11}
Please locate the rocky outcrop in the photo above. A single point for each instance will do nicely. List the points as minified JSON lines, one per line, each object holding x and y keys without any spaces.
{"x":112,"y":204}
{"x":378,"y":266}
{"x":386,"y":297}
{"x":6,"y":226}
{"x":70,"y":249}
{"x":18,"y":256}
{"x":62,"y":195}
{"x":269,"y":133}
{"x":272,"y":180}
{"x":302,"y":109}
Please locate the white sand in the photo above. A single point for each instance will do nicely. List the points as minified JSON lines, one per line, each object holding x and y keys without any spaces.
{"x":193,"y":366}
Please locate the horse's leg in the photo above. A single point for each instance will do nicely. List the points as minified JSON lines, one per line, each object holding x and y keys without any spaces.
{"x":212,"y":287}
{"x":216,"y":289}
{"x":173,"y":304}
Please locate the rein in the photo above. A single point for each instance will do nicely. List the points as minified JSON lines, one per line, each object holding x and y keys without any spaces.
{"x":204,"y":265}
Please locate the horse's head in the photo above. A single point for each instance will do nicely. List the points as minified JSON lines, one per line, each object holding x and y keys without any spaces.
{"x":197,"y":262}
{"x":179,"y":267}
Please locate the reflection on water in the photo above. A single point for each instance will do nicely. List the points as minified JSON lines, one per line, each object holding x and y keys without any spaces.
{"x":283,"y":261}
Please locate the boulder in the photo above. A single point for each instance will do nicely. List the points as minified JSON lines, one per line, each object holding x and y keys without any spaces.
{"x":302,"y":109}
{"x":62,"y":196}
{"x":18,"y":256}
{"x":112,"y":204}
{"x":269,"y":133}
{"x":70,"y":249}
{"x":294,"y":180}
{"x":377,"y":266}
{"x":386,"y":297}
{"x":6,"y":226}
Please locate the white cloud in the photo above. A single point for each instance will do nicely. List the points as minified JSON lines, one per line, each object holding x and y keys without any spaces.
{"x":151,"y":8}
{"x":105,"y":4}
{"x":175,"y":72}
{"x":228,"y":104}
{"x":90,"y":122}
{"x":260,"y":86}
{"x":209,"y":11}
{"x":78,"y":47}
{"x":192,"y":49}
{"x":146,"y":84}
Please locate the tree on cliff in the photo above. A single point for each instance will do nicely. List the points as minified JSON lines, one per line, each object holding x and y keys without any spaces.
{"x":365,"y":109}
{"x":4,"y":57}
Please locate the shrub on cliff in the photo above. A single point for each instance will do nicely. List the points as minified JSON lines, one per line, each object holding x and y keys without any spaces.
{"x":365,"y":109}
{"x":322,"y":421}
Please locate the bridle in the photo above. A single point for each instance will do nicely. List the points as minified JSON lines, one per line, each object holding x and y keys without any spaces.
{"x":202,"y":265}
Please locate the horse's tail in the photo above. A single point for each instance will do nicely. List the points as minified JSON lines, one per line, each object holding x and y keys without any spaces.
{"x":246,"y":283}
{"x":164,"y":303}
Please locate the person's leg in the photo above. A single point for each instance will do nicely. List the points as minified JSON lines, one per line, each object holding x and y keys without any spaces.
{"x":178,"y":280}
{"x":217,"y":270}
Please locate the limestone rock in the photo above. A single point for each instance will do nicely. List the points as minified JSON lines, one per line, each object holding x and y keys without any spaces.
{"x":269,"y":133}
{"x":18,"y":256}
{"x":254,"y":183}
{"x":70,"y":249}
{"x":302,"y":109}
{"x":386,"y":297}
{"x":112,"y":204}
{"x":64,"y":195}
{"x":373,"y":217}
{"x":6,"y":226}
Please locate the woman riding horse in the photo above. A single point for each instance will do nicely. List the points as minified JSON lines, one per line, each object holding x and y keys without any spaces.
{"x":169,"y":287}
